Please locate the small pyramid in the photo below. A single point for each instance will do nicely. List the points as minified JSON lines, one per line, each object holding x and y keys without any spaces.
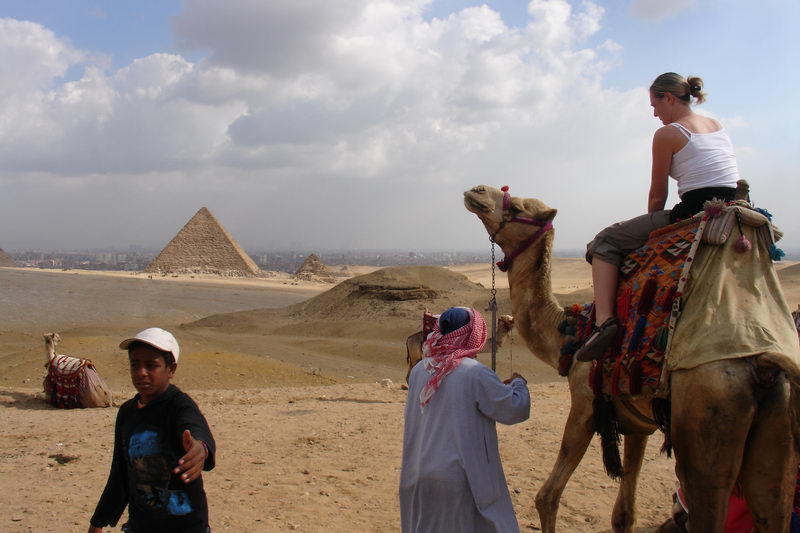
{"x":203,"y":246}
{"x":5,"y":260}
{"x":313,"y":269}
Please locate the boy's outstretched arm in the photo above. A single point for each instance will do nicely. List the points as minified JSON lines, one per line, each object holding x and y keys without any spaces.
{"x":190,"y":466}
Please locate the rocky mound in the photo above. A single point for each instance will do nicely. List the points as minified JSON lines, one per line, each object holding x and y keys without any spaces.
{"x":394,"y":292}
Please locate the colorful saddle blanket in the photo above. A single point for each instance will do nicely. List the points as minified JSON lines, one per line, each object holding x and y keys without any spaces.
{"x":64,"y":381}
{"x":651,"y":278}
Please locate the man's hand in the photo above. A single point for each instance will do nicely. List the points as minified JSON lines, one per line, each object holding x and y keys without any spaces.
{"x":514,"y":376}
{"x":190,"y":466}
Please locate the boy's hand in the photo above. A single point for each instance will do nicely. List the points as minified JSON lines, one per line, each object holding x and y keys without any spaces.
{"x":94,"y":529}
{"x":190,"y":466}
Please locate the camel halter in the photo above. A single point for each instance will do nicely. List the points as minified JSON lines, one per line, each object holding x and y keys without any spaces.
{"x":505,"y":264}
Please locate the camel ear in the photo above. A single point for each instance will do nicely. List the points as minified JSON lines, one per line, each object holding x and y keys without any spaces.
{"x":516,"y":205}
{"x":539,"y":210}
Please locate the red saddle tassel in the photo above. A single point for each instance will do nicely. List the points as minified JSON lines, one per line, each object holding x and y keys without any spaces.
{"x":648,"y":296}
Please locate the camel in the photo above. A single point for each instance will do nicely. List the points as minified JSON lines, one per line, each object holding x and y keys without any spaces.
{"x":505,"y":323}
{"x":71,"y":381}
{"x":732,"y":419}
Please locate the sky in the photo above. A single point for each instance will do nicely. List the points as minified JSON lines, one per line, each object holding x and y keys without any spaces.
{"x":358,"y":124}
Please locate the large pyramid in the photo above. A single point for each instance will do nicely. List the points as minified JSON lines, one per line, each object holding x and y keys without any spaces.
{"x":203,"y":246}
{"x":5,"y":260}
{"x":313,"y":269}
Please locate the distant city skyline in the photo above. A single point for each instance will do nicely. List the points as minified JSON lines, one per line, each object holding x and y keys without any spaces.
{"x":358,"y":125}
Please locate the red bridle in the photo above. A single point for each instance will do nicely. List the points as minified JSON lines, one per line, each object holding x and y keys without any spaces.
{"x":505,"y":264}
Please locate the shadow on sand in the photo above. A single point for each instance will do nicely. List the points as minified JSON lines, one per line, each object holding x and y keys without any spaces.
{"x":24,"y":400}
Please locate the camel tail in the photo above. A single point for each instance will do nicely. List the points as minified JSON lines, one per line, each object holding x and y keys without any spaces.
{"x":792,"y":372}
{"x":604,"y":423}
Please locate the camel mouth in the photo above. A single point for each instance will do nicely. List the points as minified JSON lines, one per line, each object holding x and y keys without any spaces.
{"x":475,"y":205}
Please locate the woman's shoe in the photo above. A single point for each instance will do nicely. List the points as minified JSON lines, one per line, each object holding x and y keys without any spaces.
{"x":598,"y":341}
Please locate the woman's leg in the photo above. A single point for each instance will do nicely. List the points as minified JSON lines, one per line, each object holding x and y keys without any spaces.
{"x":606,"y":253}
{"x":604,"y":277}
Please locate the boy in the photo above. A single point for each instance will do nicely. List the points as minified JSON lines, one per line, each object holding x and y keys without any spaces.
{"x":161,"y":444}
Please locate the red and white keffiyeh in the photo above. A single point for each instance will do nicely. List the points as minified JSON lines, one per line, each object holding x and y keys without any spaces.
{"x":443,"y":353}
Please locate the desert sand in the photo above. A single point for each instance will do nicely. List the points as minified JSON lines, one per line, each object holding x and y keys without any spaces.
{"x":287,"y":375}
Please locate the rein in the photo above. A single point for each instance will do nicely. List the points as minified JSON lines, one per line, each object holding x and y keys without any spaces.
{"x":505,"y":264}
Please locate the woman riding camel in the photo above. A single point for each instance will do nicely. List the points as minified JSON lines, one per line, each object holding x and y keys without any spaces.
{"x":692,"y":149}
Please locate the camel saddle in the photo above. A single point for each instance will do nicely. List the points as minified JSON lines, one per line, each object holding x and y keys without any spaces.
{"x":673,"y":276}
{"x":64,"y":380}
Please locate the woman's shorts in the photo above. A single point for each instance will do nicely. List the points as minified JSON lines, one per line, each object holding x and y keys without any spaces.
{"x":618,"y":240}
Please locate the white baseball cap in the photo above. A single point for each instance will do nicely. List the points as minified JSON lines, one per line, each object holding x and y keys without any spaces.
{"x":157,"y":338}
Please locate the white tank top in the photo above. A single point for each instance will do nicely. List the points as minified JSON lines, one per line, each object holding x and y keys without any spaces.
{"x":707,"y":160}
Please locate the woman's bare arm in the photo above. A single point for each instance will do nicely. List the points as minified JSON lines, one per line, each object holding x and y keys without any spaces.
{"x":663,"y":142}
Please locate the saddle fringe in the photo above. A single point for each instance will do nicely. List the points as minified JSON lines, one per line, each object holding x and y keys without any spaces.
{"x":605,"y":424}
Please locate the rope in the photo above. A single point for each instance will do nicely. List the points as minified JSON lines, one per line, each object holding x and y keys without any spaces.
{"x":493,"y":309}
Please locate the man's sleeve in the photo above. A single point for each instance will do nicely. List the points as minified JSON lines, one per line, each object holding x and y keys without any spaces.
{"x":115,"y":495}
{"x":508,"y":404}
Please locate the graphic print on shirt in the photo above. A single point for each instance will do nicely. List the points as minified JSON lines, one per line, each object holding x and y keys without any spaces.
{"x":151,"y":463}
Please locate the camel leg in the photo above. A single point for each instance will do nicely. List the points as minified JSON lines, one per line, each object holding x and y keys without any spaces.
{"x":770,"y":462}
{"x":712,"y":410}
{"x":624,"y":515}
{"x":576,"y":438}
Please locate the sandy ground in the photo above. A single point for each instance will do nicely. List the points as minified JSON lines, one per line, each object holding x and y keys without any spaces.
{"x":308,"y":441}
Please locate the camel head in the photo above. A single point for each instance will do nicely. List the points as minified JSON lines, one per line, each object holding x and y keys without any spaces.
{"x":52,"y":338}
{"x":487,"y":204}
{"x":505,"y":323}
{"x":50,"y":341}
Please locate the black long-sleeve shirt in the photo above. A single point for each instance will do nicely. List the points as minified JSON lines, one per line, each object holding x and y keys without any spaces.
{"x":147,"y":446}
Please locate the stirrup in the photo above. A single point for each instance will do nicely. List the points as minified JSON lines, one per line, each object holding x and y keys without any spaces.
{"x":598,"y":341}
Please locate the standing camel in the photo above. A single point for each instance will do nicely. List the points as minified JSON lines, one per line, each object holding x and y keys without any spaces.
{"x":71,"y":381}
{"x":732,"y":419}
{"x":505,"y":323}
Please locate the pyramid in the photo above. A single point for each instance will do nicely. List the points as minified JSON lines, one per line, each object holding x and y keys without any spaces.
{"x":5,"y":260}
{"x":313,"y":269}
{"x":203,"y":246}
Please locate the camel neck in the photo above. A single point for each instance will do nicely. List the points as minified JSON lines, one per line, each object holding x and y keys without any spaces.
{"x":536,"y":311}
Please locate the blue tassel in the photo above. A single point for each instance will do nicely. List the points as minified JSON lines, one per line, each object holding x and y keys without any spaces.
{"x":569,"y":348}
{"x":775,"y":253}
{"x":636,"y":336}
{"x":764,"y":212}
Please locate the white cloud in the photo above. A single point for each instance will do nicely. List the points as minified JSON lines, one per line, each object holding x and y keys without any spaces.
{"x":352,"y":110}
{"x":658,"y":9}
{"x":31,"y":57}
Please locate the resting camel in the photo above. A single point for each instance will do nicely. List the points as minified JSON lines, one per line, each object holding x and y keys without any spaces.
{"x":732,"y":419}
{"x":505,"y":323}
{"x":70,"y":381}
